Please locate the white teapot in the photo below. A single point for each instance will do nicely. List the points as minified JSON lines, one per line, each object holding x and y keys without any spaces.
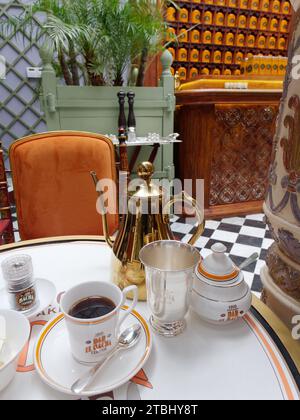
{"x":220,"y":293}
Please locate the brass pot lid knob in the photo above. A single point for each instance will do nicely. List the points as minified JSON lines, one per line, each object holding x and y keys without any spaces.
{"x":145,"y":171}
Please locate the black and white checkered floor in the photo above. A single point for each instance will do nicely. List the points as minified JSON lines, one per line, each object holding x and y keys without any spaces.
{"x":242,"y":236}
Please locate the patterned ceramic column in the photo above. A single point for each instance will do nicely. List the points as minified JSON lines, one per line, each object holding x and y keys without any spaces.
{"x":281,"y":277}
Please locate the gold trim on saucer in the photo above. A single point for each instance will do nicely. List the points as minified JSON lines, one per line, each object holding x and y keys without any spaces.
{"x":52,"y":324}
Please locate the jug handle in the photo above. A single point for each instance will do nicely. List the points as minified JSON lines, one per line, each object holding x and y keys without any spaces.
{"x":186,"y":198}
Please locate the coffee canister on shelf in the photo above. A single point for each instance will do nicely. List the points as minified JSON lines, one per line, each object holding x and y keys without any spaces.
{"x":228,"y":57}
{"x":243,"y":4}
{"x":275,"y":66}
{"x":269,"y":65}
{"x":237,"y":72}
{"x":196,"y":16}
{"x":242,"y":21}
{"x":216,"y":72}
{"x":194,"y":55}
{"x":249,"y":66}
{"x":217,"y":57}
{"x":239,"y":58}
{"x":256,"y":64}
{"x":240,"y":40}
{"x":262,"y":65}
{"x":271,"y":44}
{"x":193,"y":74}
{"x":206,"y":56}
{"x":171,"y":34}
{"x":274,"y":25}
{"x":254,"y":4}
{"x":205,"y":71}
{"x":227,"y":72}
{"x":221,"y":3}
{"x":195,"y":36}
{"x":207,"y":37}
{"x":284,"y":26}
{"x":265,"y":5}
{"x":220,"y":19}
{"x":183,"y":15}
{"x":183,"y":35}
{"x":286,"y":8}
{"x":182,"y":54}
{"x":233,"y":3}
{"x":231,"y":20}
{"x":171,"y":14}
{"x":263,"y":25}
{"x":208,"y":18}
{"x":282,"y":44}
{"x":182,"y":73}
{"x":276,"y":6}
{"x":230,"y":39}
{"x":250,"y":41}
{"x":282,"y":65}
{"x":218,"y":38}
{"x":261,"y":43}
{"x":253,"y":22}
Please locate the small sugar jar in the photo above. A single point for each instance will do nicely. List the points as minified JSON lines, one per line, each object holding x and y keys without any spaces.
{"x":20,"y":282}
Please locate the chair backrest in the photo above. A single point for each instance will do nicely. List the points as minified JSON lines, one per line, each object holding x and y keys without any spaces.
{"x":6,"y":221}
{"x":54,"y":192}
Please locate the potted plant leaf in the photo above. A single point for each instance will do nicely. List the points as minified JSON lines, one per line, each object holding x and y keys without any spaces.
{"x":90,"y":50}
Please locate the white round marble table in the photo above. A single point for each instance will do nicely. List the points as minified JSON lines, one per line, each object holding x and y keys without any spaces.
{"x":254,"y":358}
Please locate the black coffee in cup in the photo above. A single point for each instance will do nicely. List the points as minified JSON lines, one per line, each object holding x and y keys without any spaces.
{"x":92,"y":307}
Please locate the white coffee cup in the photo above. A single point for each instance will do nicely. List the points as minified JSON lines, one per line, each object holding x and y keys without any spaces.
{"x":92,"y":340}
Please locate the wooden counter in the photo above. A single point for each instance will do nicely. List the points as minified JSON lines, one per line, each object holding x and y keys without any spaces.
{"x":227,"y":141}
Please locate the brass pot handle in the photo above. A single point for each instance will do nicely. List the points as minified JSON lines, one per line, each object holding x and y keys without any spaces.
{"x":186,"y":198}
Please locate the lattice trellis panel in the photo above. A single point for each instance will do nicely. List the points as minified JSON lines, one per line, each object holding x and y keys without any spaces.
{"x":20,"y":111}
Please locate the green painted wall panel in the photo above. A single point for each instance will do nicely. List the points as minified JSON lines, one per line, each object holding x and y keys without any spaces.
{"x":96,"y":109}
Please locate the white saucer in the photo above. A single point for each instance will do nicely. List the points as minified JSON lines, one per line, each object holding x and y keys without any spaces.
{"x":58,"y":369}
{"x":46,"y":294}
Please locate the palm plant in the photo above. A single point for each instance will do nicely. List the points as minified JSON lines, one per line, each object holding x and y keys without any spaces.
{"x":99,"y":39}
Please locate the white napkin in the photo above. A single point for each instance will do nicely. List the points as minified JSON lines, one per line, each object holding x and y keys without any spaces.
{"x":2,"y":331}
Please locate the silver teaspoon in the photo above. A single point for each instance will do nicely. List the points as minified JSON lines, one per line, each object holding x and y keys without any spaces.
{"x":249,"y":261}
{"x":127,"y":340}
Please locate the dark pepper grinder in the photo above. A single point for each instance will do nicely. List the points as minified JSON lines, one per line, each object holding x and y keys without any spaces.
{"x":122,"y":117}
{"x":124,"y":165}
{"x":131,"y":123}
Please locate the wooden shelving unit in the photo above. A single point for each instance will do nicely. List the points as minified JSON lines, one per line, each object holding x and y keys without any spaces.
{"x":214,"y":28}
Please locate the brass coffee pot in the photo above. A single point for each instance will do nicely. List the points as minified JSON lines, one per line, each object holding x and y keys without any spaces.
{"x":147,"y":220}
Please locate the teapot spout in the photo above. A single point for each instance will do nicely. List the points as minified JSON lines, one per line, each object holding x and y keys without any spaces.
{"x":103,"y":213}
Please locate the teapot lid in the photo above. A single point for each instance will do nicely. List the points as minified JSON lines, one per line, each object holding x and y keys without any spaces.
{"x":146,"y":189}
{"x":218,"y":266}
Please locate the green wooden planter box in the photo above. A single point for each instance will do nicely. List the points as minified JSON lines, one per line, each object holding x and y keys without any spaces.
{"x":96,"y":109}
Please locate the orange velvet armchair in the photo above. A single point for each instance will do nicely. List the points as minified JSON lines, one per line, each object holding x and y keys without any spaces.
{"x":6,"y":223}
{"x":54,"y":192}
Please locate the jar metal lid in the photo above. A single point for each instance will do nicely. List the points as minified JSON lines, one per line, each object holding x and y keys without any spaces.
{"x":17,"y":269}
